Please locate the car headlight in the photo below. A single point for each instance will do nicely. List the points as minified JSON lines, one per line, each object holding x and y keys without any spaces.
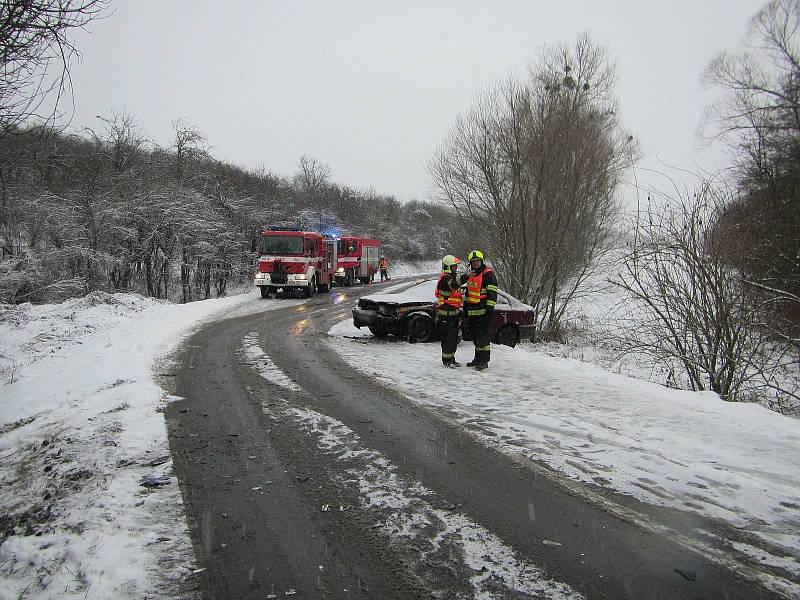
{"x":340,"y":270}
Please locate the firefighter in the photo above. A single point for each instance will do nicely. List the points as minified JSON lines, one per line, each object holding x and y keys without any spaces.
{"x":448,"y":309}
{"x":479,"y":305}
{"x":383,"y":266}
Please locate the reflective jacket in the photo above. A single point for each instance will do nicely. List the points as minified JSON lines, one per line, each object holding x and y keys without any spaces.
{"x":383,"y":264}
{"x":481,"y":291}
{"x":448,"y":295}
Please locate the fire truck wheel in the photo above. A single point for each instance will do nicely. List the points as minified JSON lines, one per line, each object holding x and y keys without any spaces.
{"x":264,"y":291}
{"x":309,"y":291}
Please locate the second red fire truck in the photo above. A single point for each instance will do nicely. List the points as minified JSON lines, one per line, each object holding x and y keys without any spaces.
{"x":356,"y":259}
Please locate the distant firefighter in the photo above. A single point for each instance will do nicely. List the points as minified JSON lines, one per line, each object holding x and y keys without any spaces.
{"x":383,"y":267}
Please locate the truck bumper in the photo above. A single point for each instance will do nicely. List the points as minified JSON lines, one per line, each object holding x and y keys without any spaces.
{"x":290,"y":283}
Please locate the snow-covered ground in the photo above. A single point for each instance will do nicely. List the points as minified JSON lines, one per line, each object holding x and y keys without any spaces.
{"x":85,"y":471}
{"x":86,"y":474}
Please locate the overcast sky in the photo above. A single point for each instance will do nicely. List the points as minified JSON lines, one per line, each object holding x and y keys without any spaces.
{"x":372,"y":88}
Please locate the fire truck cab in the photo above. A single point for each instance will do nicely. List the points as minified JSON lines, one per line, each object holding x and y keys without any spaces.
{"x":356,"y":259}
{"x":290,"y":259}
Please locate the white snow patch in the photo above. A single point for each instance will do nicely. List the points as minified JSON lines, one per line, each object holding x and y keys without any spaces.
{"x":266,"y":368}
{"x":786,"y":563}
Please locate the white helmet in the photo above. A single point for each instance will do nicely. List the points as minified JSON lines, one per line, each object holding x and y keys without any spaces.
{"x":448,"y":261}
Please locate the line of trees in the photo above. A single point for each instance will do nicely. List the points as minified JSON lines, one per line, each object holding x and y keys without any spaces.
{"x":760,"y":118}
{"x":713,"y":280}
{"x":109,"y":210}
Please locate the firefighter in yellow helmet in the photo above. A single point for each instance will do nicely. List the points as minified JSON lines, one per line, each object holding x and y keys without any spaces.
{"x":479,"y":304}
{"x":448,"y":309}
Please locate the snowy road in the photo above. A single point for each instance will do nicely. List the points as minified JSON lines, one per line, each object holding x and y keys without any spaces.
{"x":301,"y":475}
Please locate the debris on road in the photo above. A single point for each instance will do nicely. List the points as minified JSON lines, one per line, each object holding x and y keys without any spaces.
{"x":155,"y":480}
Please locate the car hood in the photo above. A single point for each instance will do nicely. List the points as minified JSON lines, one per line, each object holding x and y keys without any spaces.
{"x":424,"y":293}
{"x":396,"y":299}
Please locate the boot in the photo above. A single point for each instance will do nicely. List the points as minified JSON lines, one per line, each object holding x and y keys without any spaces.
{"x":472,"y":363}
{"x":481,"y":366}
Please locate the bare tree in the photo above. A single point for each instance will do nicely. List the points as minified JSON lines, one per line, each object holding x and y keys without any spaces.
{"x":763,"y":80}
{"x":312,"y":178}
{"x":691,"y":311}
{"x":759,"y":117}
{"x":120,"y":138}
{"x":533,"y":171}
{"x":33,"y":43}
{"x":189,"y":143}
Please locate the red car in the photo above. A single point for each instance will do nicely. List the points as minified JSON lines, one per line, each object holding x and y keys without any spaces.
{"x":412,"y":315}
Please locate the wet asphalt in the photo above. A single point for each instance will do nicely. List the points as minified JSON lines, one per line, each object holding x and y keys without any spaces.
{"x":254,"y":485}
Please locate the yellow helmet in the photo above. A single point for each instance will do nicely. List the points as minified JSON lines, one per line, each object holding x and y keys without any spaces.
{"x":448,"y":261}
{"x":475,"y":254}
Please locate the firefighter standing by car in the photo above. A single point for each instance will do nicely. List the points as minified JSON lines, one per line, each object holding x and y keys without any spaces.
{"x":479,"y":304}
{"x":383,"y":267}
{"x":448,"y":309}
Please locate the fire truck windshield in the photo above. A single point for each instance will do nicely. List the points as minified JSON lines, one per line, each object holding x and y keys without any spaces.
{"x":281,"y":244}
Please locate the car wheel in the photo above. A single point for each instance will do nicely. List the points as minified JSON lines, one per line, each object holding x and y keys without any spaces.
{"x":507,"y":335}
{"x":419,"y":328}
{"x":378,"y":331}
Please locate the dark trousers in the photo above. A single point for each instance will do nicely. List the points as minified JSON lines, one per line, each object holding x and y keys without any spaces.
{"x":384,"y":274}
{"x":448,"y":334}
{"x":479,"y":329}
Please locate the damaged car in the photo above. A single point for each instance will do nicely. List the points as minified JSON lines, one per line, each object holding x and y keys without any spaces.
{"x":411,"y":315}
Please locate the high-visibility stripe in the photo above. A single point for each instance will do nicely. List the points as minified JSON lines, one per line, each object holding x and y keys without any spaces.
{"x":493,"y":288}
{"x":443,"y":312}
{"x":489,"y":347}
{"x":491,"y":303}
{"x":448,"y":355}
{"x":476,"y":312}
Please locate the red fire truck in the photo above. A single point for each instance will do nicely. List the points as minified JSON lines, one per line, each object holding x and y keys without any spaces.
{"x":290,"y":259}
{"x":356,"y":259}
